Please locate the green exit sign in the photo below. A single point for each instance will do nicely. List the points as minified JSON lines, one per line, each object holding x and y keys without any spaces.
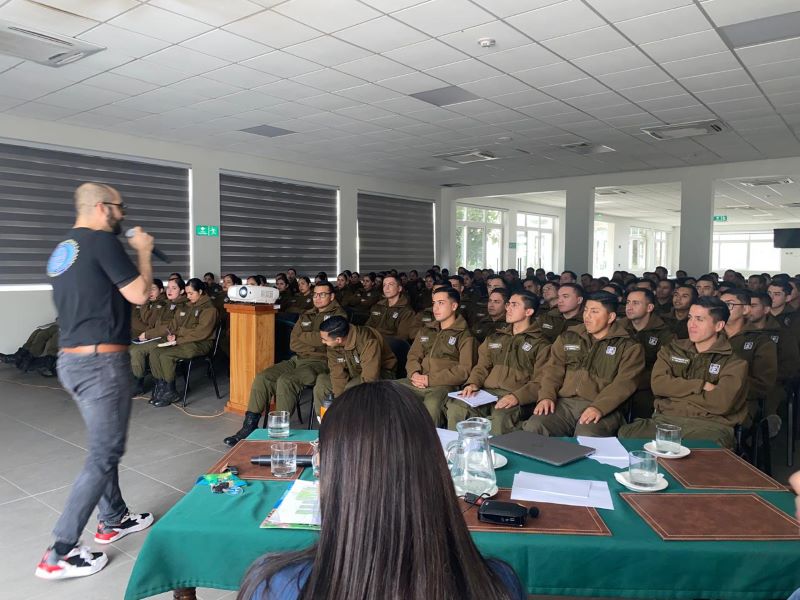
{"x":720,"y":218}
{"x":207,"y":230}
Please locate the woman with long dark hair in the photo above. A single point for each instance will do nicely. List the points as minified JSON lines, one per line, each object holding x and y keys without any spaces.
{"x":392,"y":527}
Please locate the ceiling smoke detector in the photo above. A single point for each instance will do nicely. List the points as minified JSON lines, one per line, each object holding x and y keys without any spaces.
{"x":49,"y":49}
{"x":486,"y":42}
{"x":765,"y":181}
{"x":683,"y":130}
{"x":468,"y":157}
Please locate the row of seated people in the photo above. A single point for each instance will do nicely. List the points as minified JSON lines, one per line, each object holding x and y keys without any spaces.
{"x":39,"y":351}
{"x":569,"y":379}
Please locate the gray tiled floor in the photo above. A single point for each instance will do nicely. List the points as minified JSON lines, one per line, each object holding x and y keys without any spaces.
{"x":42,"y":448}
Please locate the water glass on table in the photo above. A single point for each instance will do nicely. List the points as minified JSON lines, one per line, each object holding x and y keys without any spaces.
{"x":278,"y":424}
{"x":668,"y":438}
{"x":642,"y":468}
{"x":284,"y":459}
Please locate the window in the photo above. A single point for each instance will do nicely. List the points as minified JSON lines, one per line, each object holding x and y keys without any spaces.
{"x":479,"y":237}
{"x":638,"y":249}
{"x":534,"y":241}
{"x":745,"y":251}
{"x":661,"y":249}
{"x":603,"y":263}
{"x":37,"y":206}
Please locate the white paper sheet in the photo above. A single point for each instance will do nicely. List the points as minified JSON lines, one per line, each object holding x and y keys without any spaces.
{"x":608,"y":450}
{"x":299,"y":506}
{"x":446,"y":436}
{"x":561,"y":490}
{"x":480,"y":398}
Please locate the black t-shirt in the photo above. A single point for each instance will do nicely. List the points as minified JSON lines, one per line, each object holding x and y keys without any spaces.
{"x":86,"y":270}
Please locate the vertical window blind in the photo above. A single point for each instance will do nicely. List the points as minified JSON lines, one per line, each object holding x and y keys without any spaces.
{"x":394,"y":233}
{"x":37,"y":206}
{"x":269,"y":226}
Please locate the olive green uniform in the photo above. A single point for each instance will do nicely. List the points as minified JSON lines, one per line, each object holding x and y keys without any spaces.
{"x":364,"y":357}
{"x":398,"y":321}
{"x":761,"y":355}
{"x":583,"y":372}
{"x":446,"y":356}
{"x":553,"y":323}
{"x":287,"y":379}
{"x":680,"y":327}
{"x":40,"y":342}
{"x":487,"y":326}
{"x":161,"y":317}
{"x":788,"y":362}
{"x":300,"y":303}
{"x":193,"y":326}
{"x":284,"y":300}
{"x":507,"y":364}
{"x":678,"y":378}
{"x":652,"y":337}
{"x":663,"y":309}
{"x":365,"y":300}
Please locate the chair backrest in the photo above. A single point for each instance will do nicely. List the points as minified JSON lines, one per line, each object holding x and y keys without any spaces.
{"x":400,"y":349}
{"x":217,"y":336}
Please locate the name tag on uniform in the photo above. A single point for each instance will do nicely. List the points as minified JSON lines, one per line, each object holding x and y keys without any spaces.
{"x":787,"y":321}
{"x":427,"y":319}
{"x":339,"y":359}
{"x":377,"y":313}
{"x":326,"y":317}
{"x":679,"y":360}
{"x":394,"y":315}
{"x":480,"y":315}
{"x":611,"y":350}
{"x":653,"y":341}
{"x":748,"y":345}
{"x":197,"y":312}
{"x":424,"y":338}
{"x":183,"y":314}
{"x":495,"y":346}
{"x":713,"y":368}
{"x":527,"y":346}
{"x":546,"y":326}
{"x":356,"y":359}
{"x":172,"y":307}
{"x":305,"y":323}
{"x":775,"y":338}
{"x":571,"y":347}
{"x":452,"y":341}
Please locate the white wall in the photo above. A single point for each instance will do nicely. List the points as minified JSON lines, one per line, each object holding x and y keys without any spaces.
{"x":621,"y":239}
{"x":790,"y":257}
{"x":23,"y":310}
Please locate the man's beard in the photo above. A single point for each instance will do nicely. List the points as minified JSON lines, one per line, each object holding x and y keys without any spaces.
{"x":115,"y":225}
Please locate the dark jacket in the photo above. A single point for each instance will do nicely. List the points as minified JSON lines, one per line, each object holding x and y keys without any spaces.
{"x":365,"y":353}
{"x":652,"y":338}
{"x":305,"y":340}
{"x":446,"y":356}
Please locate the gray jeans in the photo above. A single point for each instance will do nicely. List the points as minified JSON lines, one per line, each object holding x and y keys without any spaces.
{"x":100,"y":384}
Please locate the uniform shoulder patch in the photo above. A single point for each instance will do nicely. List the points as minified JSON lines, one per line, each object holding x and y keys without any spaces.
{"x":611,"y":350}
{"x":527,"y":346}
{"x":546,"y":326}
{"x":653,"y":341}
{"x":713,"y":368}
{"x":748,"y":345}
{"x":62,"y":258}
{"x":452,"y":341}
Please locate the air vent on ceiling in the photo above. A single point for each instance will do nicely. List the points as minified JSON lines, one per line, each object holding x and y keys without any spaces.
{"x":465,"y":158}
{"x":764,"y":181}
{"x":50,"y":49}
{"x":454,"y":185}
{"x":792,"y":205}
{"x":586,"y":148}
{"x":610,"y":192}
{"x":682,"y":130}
{"x":439,"y":168}
{"x":740,"y":207}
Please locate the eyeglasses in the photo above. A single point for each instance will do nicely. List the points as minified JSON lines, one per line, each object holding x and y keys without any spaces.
{"x":120,"y":205}
{"x":732,"y":304}
{"x":321,"y":294}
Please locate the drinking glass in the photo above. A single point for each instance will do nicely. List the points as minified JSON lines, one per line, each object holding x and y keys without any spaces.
{"x":668,"y":438}
{"x":315,"y":458}
{"x":642,"y":468}
{"x":278,"y":424}
{"x":284,"y":459}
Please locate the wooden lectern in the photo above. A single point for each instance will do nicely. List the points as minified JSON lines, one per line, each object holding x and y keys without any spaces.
{"x":252,"y":330}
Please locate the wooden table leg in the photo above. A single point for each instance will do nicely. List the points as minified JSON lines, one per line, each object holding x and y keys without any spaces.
{"x":185,"y":594}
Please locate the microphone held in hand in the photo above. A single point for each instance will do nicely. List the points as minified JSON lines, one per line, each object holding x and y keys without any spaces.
{"x":156,"y":252}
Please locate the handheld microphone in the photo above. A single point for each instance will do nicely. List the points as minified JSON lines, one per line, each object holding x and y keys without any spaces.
{"x":156,"y":252}
{"x":265,"y":460}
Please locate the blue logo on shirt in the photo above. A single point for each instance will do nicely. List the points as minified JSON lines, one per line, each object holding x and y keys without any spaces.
{"x":62,"y":258}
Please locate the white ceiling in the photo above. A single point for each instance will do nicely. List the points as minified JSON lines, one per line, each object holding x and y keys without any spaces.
{"x":339,"y":73}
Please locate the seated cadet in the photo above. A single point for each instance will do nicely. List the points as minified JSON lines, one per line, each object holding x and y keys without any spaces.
{"x":613,"y":288}
{"x":285,"y":380}
{"x":752,"y":346}
{"x":425,"y":294}
{"x":706,"y":286}
{"x":496,"y":315}
{"x":465,"y":307}
{"x":192,"y":331}
{"x":685,"y":295}
{"x":393,"y":316}
{"x":284,"y":292}
{"x":757,"y":283}
{"x":664,"y":290}
{"x":344,"y":292}
{"x":510,"y":364}
{"x":531,"y":285}
{"x":303,"y":300}
{"x":788,"y":355}
{"x":568,"y":311}
{"x":291,"y":275}
{"x":320,"y":277}
{"x":355,"y":354}
{"x":549,"y":296}
{"x":148,"y":312}
{"x":779,"y":291}
{"x":158,"y":327}
{"x":211,"y":284}
{"x":647,"y":328}
{"x":699,"y":383}
{"x":33,"y":347}
{"x":253,"y":280}
{"x":441,"y":356}
{"x":593,"y":369}
{"x":367,"y":296}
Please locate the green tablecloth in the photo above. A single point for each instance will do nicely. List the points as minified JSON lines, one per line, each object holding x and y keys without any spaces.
{"x":209,"y":540}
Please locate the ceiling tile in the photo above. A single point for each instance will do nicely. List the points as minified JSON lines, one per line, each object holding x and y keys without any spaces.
{"x":668,"y":102}
{"x":35,"y":110}
{"x":635,"y":78}
{"x":779,"y":86}
{"x":685,"y":46}
{"x":81,"y":97}
{"x":556,"y":20}
{"x":91,"y":9}
{"x":612,"y":62}
{"x":327,"y":16}
{"x":649,"y":92}
{"x":327,"y":51}
{"x":34,"y":15}
{"x":158,"y":100}
{"x":522,"y":58}
{"x":364,"y":112}
{"x":598,"y":100}
{"x":523,"y":98}
{"x":403,"y":105}
{"x":621,"y":10}
{"x":663,"y":25}
{"x":225,"y":45}
{"x":202,"y":87}
{"x":495,"y":86}
{"x":329,"y":80}
{"x":161,"y":24}
{"x":186,"y":60}
{"x":328,"y":101}
{"x":572,"y":89}
{"x":727,"y":12}
{"x":123,"y":41}
{"x":769,"y":53}
{"x":381,"y":34}
{"x":506,"y":8}
{"x":287,"y":89}
{"x":785,"y":68}
{"x":273,"y":30}
{"x":700,"y":65}
{"x":412,"y":83}
{"x":118,"y":83}
{"x":212,"y":12}
{"x":713,"y":81}
{"x":550,"y":75}
{"x":505,"y":37}
{"x":587,"y":43}
{"x":369,"y":93}
{"x":426,"y":55}
{"x":373,"y":67}
{"x":440,"y":17}
{"x":463,"y":71}
{"x":281,"y":64}
{"x":151,"y":72}
{"x":241,"y":77}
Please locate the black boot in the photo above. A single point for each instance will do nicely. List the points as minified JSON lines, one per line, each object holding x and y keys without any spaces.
{"x":168,"y":395}
{"x":158,"y":389}
{"x":138,"y":389}
{"x":47,"y":368}
{"x":24,"y":364}
{"x":9,"y":359}
{"x":249,"y":426}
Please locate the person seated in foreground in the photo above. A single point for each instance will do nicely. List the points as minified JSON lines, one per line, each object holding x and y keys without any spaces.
{"x":699,"y":383}
{"x":372,"y":544}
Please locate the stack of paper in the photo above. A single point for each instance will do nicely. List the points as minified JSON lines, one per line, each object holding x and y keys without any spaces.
{"x":479,"y":398}
{"x":298,"y":508}
{"x":608,"y":450}
{"x":561,"y":490}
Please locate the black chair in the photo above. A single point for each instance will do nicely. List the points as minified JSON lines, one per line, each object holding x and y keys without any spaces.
{"x":284,"y":323}
{"x":187,"y":363}
{"x":400,"y":349}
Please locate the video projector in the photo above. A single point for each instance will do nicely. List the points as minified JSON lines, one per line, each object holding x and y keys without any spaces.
{"x":254,"y":294}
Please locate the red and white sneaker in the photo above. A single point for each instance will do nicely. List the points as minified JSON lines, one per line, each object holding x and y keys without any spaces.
{"x":131,"y":523}
{"x":78,"y":562}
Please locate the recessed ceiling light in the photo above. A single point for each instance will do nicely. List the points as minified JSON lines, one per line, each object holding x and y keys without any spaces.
{"x":585,"y":148}
{"x":762,"y":31}
{"x":445,"y":96}
{"x":486,"y":42}
{"x":267,"y":131}
{"x":682,"y":130}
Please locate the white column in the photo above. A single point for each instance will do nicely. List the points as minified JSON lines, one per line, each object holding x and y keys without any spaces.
{"x":445,"y":227}
{"x":205,"y":251}
{"x":697,"y":212}
{"x":347,"y":218}
{"x":579,"y":228}
{"x":510,"y":237}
